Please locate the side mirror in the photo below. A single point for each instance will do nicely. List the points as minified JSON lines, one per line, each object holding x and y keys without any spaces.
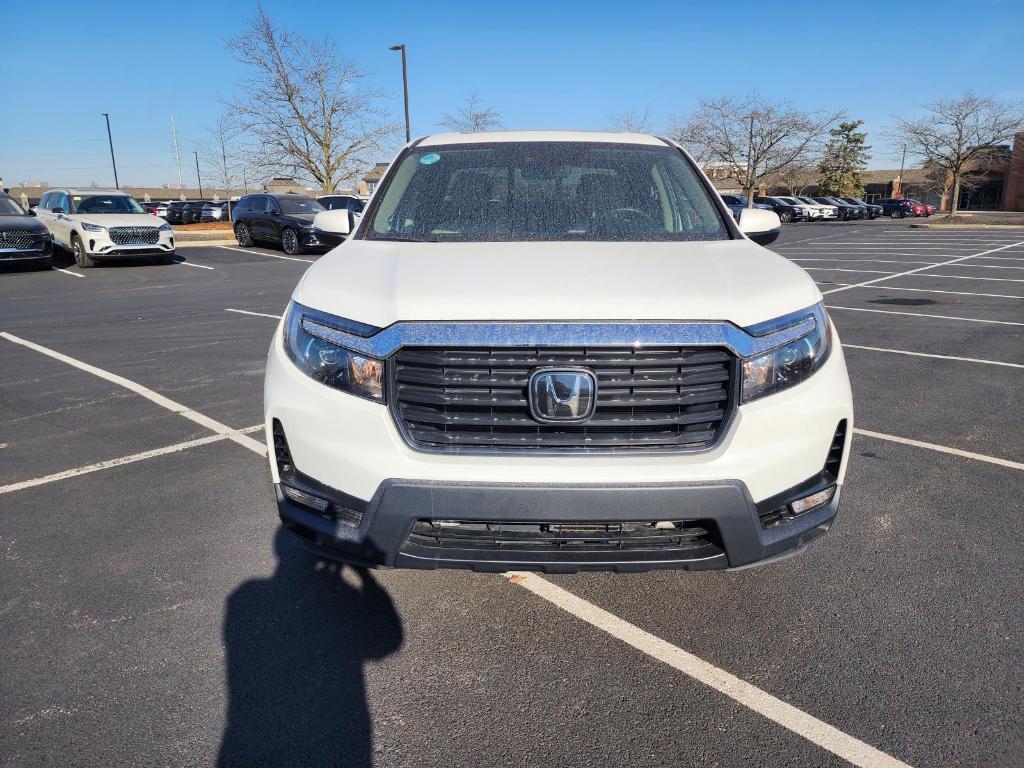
{"x":58,"y":209}
{"x":31,"y":211}
{"x":761,"y":226}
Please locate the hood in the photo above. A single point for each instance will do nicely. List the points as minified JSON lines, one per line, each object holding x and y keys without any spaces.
{"x":120,"y":219}
{"x":21,"y":224}
{"x":383,"y":282}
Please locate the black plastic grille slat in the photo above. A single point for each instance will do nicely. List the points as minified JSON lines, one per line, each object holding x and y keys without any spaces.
{"x":562,"y":537}
{"x":134,"y":235}
{"x":652,"y":397}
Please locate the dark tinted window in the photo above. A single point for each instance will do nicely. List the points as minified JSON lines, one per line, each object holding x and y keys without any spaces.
{"x":295,"y":204}
{"x":93,"y":204}
{"x":9,"y":208}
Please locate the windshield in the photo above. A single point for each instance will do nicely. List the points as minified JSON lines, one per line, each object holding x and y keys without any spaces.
{"x":299,"y":205}
{"x":532,"y":191}
{"x":105,"y":204}
{"x":10,"y":208}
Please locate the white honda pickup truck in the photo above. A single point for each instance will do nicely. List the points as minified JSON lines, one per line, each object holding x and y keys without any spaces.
{"x":556,"y":351}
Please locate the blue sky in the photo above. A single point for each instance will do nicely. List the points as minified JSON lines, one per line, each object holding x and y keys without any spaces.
{"x":540,"y":64}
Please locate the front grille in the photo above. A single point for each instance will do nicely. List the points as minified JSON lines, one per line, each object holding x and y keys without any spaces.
{"x":476,"y":399}
{"x":134,"y":235}
{"x":689,"y":540}
{"x":17,"y":239}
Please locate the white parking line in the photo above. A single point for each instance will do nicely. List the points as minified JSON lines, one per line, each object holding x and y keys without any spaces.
{"x":972,"y":277}
{"x":1004,"y":258}
{"x":921,"y":269}
{"x":256,"y":314}
{"x":149,"y":394}
{"x":799,"y":722}
{"x":927,"y":354}
{"x":940,"y":448}
{"x":261,"y":253}
{"x":67,"y":272}
{"x":921,"y":314}
{"x":837,"y":269}
{"x":190,"y":264}
{"x":119,"y":462}
{"x":873,"y":261}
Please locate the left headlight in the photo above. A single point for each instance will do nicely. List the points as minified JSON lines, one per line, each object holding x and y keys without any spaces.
{"x":165,"y":227}
{"x":92,"y":227}
{"x":790,"y":364}
{"x":329,"y":363}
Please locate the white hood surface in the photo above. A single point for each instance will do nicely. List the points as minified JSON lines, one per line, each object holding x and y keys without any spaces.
{"x":380,"y":283}
{"x":120,"y":219}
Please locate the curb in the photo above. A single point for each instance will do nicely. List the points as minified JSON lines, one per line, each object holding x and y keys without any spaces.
{"x":200,"y":243}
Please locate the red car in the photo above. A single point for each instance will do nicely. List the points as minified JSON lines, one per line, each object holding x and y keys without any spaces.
{"x":920,"y":209}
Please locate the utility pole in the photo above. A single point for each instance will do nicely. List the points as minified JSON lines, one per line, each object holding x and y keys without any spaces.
{"x":177,"y":155}
{"x":750,"y":163}
{"x":405,"y":88}
{"x":902,"y":159}
{"x":198,"y":176}
{"x":111,"y":140}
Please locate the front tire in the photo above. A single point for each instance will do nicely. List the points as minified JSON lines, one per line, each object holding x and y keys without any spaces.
{"x":243,"y":235}
{"x":785,"y":217}
{"x":895,"y":215}
{"x":290,"y":242}
{"x":82,"y":259}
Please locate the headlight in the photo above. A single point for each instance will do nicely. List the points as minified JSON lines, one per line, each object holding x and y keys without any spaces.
{"x":790,"y":364}
{"x":92,"y":227}
{"x":329,"y":363}
{"x":165,"y":227}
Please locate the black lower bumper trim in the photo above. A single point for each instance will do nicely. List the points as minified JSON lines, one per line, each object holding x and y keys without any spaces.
{"x":383,"y":537}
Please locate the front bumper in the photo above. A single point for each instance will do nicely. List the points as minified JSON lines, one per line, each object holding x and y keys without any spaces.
{"x":99,"y":245}
{"x":349,"y":450}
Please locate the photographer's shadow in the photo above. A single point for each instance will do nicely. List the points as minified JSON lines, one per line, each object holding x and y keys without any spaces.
{"x":295,"y":646}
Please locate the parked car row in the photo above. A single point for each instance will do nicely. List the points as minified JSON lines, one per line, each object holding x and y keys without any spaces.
{"x":190,"y":211}
{"x":793,"y":208}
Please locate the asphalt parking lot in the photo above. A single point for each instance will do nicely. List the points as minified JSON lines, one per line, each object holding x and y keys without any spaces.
{"x":152,"y":613}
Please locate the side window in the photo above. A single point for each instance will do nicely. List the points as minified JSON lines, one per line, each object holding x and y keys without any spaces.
{"x":271,"y":206}
{"x":242,"y":205}
{"x":355,"y":205}
{"x":63,"y":202}
{"x":44,"y":201}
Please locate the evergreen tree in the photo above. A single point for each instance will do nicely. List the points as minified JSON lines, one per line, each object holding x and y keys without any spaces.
{"x":845,"y":157}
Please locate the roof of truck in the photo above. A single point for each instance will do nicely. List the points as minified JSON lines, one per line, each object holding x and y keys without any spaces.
{"x":513,"y":136}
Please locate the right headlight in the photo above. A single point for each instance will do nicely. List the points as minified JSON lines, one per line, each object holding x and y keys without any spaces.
{"x":790,"y":364}
{"x":329,"y":363}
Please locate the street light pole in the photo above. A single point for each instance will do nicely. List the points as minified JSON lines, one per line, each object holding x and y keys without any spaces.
{"x":110,"y":139}
{"x":405,"y":88}
{"x":902,"y":159}
{"x":198,"y":176}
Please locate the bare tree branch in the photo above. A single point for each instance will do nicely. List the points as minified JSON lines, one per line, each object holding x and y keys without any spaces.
{"x":756,"y":140}
{"x":960,"y":138}
{"x":631,"y":121}
{"x":473,"y":117}
{"x":304,"y":106}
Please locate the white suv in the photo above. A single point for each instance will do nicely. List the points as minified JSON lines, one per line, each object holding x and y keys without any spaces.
{"x":556,"y":351}
{"x":95,"y":224}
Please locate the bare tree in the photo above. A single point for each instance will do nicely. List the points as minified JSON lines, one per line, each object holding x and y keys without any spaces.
{"x":757,"y":140}
{"x":631,"y":121}
{"x":224,"y":156}
{"x":961,"y":137}
{"x":304,"y":106}
{"x":473,"y":117}
{"x":797,"y":178}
